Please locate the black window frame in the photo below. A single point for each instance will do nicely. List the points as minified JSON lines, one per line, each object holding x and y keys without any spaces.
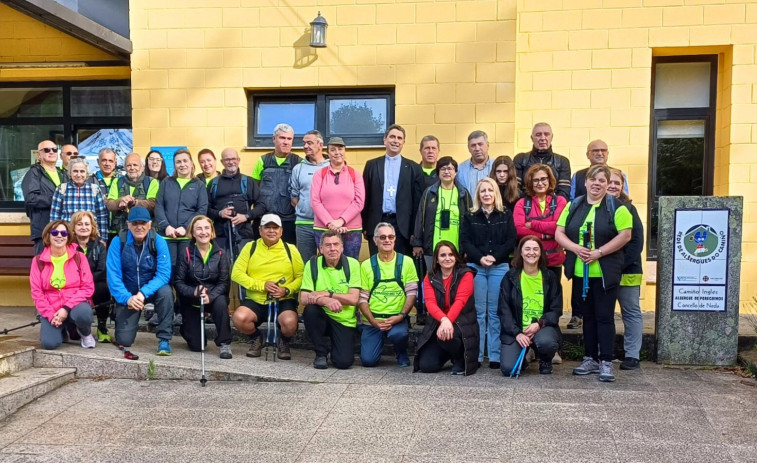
{"x":70,"y":123}
{"x":321,"y":99}
{"x":708,"y":114}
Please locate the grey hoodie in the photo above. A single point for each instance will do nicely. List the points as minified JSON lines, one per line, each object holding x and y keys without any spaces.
{"x":299,"y":188}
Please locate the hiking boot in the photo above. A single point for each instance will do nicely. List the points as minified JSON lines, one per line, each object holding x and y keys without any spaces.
{"x":630,"y":363}
{"x":320,"y":362}
{"x":420,"y":319}
{"x":606,"y":374}
{"x":283,"y":349}
{"x":403,"y":360}
{"x":226,"y":351}
{"x":545,"y":367}
{"x":103,"y":336}
{"x":589,"y":366}
{"x":556,"y":360}
{"x":494,"y":365}
{"x":256,"y":345}
{"x":164,"y":347}
{"x":575,"y":323}
{"x":88,"y":342}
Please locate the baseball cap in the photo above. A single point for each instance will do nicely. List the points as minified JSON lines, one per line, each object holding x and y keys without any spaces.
{"x":139,"y":214}
{"x":336,"y":141}
{"x":270,"y":218}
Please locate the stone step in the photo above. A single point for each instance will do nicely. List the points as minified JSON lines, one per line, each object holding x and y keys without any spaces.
{"x":14,"y":359}
{"x":22,"y":387}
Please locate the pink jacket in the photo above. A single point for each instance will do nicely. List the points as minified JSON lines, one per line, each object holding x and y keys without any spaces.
{"x":79,"y":283}
{"x":546,"y":226}
{"x":331,"y":201}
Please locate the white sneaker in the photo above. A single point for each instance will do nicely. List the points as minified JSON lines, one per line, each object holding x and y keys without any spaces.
{"x":556,"y":360}
{"x":88,"y":342}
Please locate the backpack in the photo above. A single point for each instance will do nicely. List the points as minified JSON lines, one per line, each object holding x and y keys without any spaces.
{"x":397,"y":272}
{"x":286,"y":248}
{"x":189,"y":258}
{"x":123,"y":187}
{"x":527,"y":204}
{"x":314,"y":268}
{"x":95,"y":188}
{"x":609,"y":205}
{"x":349,"y":169}
{"x":214,"y":186}
{"x":151,"y":237}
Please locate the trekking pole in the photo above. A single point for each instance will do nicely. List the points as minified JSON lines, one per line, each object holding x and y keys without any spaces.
{"x":587,"y":245}
{"x":275,"y":322}
{"x":268,"y":330}
{"x":518,"y":363}
{"x":8,"y":330}
{"x":202,"y":334}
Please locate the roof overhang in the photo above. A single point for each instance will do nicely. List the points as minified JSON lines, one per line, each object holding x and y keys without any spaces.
{"x":66,"y":20}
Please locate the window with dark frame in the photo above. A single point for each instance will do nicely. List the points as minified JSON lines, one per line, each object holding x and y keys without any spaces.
{"x":61,"y":111}
{"x":682,"y":135}
{"x":359,"y":116}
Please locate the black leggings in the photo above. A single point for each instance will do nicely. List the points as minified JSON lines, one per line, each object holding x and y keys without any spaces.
{"x":100,"y":299}
{"x":435,"y":353}
{"x":191,"y":324}
{"x":599,"y":317}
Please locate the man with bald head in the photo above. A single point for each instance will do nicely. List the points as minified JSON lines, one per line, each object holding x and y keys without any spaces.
{"x":133,"y":189}
{"x":597,"y":153}
{"x":38,"y":187}
{"x":541,"y":153}
{"x":66,"y":153}
{"x":232,"y":201}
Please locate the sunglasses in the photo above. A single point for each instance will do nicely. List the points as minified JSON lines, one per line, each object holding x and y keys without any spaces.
{"x":63,"y":233}
{"x":71,"y":153}
{"x":336,"y":178}
{"x":49,"y":150}
{"x":386,"y":237}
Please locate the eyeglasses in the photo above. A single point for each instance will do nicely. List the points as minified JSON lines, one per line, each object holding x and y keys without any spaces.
{"x":386,"y":237}
{"x":63,"y":233}
{"x":229,"y":159}
{"x":447,"y":169}
{"x":71,"y":153}
{"x":154,"y":159}
{"x":49,"y":150}
{"x":541,"y":180}
{"x":598,"y":150}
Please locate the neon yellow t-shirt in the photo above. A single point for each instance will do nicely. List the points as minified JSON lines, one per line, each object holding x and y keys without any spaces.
{"x":428,"y":171}
{"x":183,"y":182}
{"x":388,"y":298}
{"x":152,"y":190}
{"x":58,"y":277}
{"x":257,"y":171}
{"x":447,"y":201}
{"x":54,"y":176}
{"x":334,"y":280}
{"x":533,"y":297}
{"x":623,"y":221}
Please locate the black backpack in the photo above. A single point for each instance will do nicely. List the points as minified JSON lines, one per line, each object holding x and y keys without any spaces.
{"x":150,"y":238}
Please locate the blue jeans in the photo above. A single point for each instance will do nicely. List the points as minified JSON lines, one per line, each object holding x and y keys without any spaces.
{"x":372,"y":342}
{"x":486,"y":293}
{"x":80,"y":316}
{"x":352,"y":242}
{"x":305,"y":242}
{"x":630,"y":310}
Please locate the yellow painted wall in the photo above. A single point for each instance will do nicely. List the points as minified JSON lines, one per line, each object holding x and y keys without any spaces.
{"x":585,"y":67}
{"x":26,"y":40}
{"x":452,"y":64}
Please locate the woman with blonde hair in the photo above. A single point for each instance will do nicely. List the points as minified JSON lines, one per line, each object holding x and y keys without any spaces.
{"x":487,"y":238}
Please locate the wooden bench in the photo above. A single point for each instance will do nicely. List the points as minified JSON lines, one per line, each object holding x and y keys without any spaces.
{"x":16,"y":253}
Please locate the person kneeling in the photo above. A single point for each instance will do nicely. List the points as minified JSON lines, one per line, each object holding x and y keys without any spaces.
{"x":452,"y":332}
{"x":530,"y":306}
{"x":330,"y":291}
{"x":139,"y":272}
{"x":271,"y":272}
{"x":202,"y":272}
{"x":62,"y":284}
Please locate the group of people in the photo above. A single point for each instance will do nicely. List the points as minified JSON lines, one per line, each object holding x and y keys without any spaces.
{"x":478,"y":249}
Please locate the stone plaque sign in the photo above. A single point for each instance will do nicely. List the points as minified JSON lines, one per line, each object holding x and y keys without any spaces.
{"x":700,"y":265}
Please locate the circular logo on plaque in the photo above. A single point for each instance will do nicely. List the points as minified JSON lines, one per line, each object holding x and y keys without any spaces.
{"x":700,"y":240}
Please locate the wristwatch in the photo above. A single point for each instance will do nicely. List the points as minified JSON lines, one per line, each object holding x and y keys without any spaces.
{"x":287,"y":292}
{"x":331,"y":294}
{"x":404,"y":315}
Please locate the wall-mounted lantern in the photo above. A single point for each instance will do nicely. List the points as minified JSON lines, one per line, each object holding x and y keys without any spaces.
{"x":318,"y":32}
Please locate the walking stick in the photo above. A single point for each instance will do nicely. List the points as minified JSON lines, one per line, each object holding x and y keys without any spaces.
{"x":268,"y":330}
{"x":587,"y":245}
{"x":518,"y":364}
{"x":275,"y":328}
{"x":202,"y":334}
{"x":8,"y":330}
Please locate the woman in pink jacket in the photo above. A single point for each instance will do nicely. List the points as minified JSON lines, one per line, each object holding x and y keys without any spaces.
{"x":337,"y":196}
{"x":537,"y":213}
{"x":62,"y":286}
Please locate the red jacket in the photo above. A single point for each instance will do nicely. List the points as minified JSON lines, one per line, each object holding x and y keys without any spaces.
{"x":545,"y":226}
{"x":79,"y":283}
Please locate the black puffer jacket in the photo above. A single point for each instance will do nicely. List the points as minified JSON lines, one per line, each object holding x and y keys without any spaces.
{"x":494,"y":235}
{"x":510,"y":307}
{"x":192,"y":272}
{"x":466,"y":321}
{"x":38,"y":197}
{"x":632,"y":250}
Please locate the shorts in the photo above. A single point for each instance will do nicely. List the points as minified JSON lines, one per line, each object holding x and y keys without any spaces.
{"x":261,"y":310}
